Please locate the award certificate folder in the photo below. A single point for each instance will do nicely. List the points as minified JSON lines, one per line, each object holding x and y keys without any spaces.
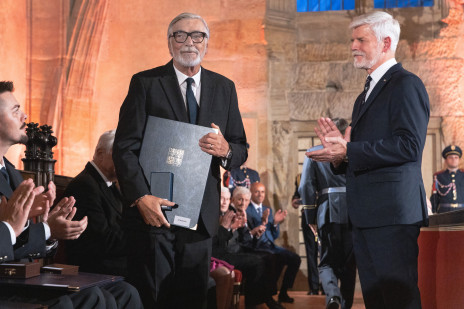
{"x":172,"y":147}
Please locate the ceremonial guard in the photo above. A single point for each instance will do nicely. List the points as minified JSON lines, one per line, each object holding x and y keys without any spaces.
{"x":240,"y":177}
{"x":448,"y":184}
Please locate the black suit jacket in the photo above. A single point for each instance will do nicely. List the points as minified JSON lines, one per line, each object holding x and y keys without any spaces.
{"x":156,"y":92}
{"x":31,"y":242}
{"x":383,"y":173}
{"x":102,"y":246}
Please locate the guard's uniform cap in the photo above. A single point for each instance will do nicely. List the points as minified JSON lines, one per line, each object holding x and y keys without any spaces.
{"x":451,"y":150}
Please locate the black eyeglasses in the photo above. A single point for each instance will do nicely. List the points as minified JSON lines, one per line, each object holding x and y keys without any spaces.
{"x":181,"y":36}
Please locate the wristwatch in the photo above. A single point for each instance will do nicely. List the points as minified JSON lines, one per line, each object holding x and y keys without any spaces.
{"x":229,"y":154}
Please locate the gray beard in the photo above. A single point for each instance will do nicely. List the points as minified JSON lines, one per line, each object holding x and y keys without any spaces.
{"x":188,"y":62}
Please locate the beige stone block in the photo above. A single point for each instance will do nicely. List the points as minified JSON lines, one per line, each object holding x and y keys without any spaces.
{"x":427,"y":50}
{"x":341,"y":104}
{"x":322,"y":52}
{"x":346,"y":77}
{"x":281,"y":75}
{"x":311,"y":76}
{"x":331,"y":30}
{"x":307,"y":105}
{"x":441,"y":72}
{"x":452,"y":128}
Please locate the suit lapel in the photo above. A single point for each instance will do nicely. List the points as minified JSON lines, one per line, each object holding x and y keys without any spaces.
{"x":15,"y":179}
{"x":111,"y":199}
{"x":207,"y":94}
{"x":5,"y":188}
{"x":375,"y":92}
{"x":171,"y":88}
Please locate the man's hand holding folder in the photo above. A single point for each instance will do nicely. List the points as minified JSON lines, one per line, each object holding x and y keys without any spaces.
{"x":150,"y":208}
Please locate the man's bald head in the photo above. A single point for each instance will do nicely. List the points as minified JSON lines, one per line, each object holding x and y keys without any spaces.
{"x":258,"y":192}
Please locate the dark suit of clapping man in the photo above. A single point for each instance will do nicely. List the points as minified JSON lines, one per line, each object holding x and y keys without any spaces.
{"x":170,"y":265}
{"x":381,"y":156}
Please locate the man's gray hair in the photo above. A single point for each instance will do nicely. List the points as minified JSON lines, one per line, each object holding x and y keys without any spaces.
{"x":382,"y":24}
{"x":241,"y":191}
{"x":187,"y":16}
{"x":105,"y":142}
{"x":224,"y":190}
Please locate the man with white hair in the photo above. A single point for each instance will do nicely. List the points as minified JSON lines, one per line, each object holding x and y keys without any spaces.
{"x":172,"y":270}
{"x":102,"y":248}
{"x":381,"y":155}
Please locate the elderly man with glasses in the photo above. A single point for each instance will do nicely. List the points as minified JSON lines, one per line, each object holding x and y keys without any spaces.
{"x":170,"y":265}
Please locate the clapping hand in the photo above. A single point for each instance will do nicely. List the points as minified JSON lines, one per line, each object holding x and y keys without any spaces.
{"x":335,"y":144}
{"x":16,"y":210}
{"x":280,"y":216}
{"x":60,"y":220}
{"x":43,"y":201}
{"x":265,"y":217}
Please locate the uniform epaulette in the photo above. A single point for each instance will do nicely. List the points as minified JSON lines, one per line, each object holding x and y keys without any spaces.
{"x":439,"y":172}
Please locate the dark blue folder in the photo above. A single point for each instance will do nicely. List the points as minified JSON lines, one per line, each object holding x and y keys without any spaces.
{"x":172,"y":147}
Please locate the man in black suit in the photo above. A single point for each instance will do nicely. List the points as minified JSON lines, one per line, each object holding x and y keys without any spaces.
{"x":102,"y":247}
{"x":170,"y":265}
{"x":381,"y":156}
{"x":324,"y":196}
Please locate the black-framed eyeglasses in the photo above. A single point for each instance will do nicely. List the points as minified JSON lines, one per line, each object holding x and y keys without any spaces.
{"x":181,"y":36}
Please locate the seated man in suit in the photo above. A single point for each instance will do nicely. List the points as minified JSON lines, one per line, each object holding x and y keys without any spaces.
{"x":102,"y":247}
{"x":234,"y":244}
{"x":258,"y":214}
{"x":21,"y":200}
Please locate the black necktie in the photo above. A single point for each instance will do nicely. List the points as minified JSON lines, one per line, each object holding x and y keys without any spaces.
{"x":192,"y":105}
{"x":366,"y":88}
{"x":361,"y":99}
{"x":5,"y":174}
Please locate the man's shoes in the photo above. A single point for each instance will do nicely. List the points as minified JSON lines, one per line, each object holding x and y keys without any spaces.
{"x":272,"y":304}
{"x":334,"y":303}
{"x":284,"y":298}
{"x":313,"y":293}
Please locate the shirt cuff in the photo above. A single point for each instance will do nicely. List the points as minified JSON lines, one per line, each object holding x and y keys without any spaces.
{"x":12,"y":233}
{"x":48,"y":233}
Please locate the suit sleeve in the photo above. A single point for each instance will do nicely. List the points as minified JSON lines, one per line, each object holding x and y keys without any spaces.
{"x":234,"y":133}
{"x":308,"y":187}
{"x":6,"y":248}
{"x":308,"y":183}
{"x":274,"y":230}
{"x":128,"y":141}
{"x":222,"y":237}
{"x":35,"y":247}
{"x":409,"y":114}
{"x":99,"y":236}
